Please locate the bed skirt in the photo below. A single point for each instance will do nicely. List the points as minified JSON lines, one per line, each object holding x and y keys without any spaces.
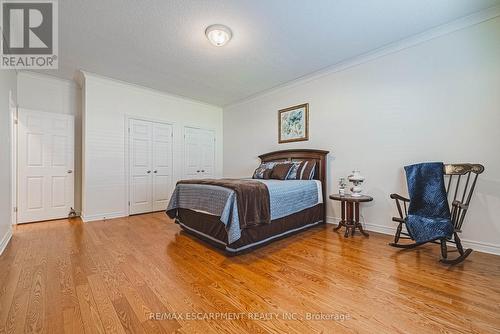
{"x":210,"y":229}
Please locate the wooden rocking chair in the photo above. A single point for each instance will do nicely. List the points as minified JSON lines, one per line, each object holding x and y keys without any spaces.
{"x":458,"y":207}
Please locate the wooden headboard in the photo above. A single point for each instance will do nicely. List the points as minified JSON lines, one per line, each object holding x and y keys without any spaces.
{"x":319,"y":156}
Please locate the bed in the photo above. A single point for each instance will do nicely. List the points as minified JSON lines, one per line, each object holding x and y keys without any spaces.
{"x":239,"y":215}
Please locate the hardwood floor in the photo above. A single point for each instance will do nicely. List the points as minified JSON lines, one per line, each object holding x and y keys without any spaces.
{"x":132,"y":274}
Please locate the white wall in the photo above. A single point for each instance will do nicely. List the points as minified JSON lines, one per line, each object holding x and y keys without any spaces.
{"x":50,"y":94}
{"x":435,"y":101}
{"x":7,"y":87}
{"x":107,"y":103}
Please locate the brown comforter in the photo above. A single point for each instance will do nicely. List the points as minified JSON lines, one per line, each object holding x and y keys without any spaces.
{"x":252,"y":199}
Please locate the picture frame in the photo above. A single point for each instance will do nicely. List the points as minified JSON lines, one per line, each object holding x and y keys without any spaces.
{"x":293,"y":124}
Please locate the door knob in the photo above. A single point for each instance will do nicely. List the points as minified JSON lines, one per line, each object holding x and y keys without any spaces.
{"x":155,"y":171}
{"x":148,"y":171}
{"x":197,"y":171}
{"x":70,"y":171}
{"x":203,"y":171}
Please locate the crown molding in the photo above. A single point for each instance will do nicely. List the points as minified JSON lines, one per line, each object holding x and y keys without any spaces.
{"x":117,"y":82}
{"x":49,"y":77}
{"x":442,"y":30}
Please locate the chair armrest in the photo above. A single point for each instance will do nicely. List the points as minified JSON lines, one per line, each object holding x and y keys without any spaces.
{"x":399,"y":197}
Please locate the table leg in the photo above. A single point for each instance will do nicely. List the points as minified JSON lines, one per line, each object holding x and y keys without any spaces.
{"x":342,"y":215}
{"x":349,"y":220}
{"x":356,"y":219}
{"x":362,"y":231}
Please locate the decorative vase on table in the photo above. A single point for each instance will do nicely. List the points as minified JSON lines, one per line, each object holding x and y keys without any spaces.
{"x":357,"y":179}
{"x":342,"y":186}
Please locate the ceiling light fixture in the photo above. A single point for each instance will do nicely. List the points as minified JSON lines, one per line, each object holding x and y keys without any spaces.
{"x":218,"y":34}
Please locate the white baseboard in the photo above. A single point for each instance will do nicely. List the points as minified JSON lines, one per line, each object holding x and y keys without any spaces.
{"x":481,"y":246}
{"x":5,"y":240}
{"x":102,"y":216}
{"x":475,"y":245}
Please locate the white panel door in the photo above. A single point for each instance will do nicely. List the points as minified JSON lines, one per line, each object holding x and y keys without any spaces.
{"x":45,"y":165}
{"x":162,"y":165}
{"x":150,"y":156}
{"x":141,"y":165}
{"x":192,"y":153}
{"x":207,"y":145}
{"x":199,"y":153}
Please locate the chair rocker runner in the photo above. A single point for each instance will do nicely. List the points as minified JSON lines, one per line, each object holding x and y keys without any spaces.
{"x":462,"y":194}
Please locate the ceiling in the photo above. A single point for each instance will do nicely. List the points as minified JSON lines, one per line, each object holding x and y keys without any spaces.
{"x":161,"y":44}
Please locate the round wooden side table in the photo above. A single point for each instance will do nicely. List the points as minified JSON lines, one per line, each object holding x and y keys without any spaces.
{"x":349,"y":206}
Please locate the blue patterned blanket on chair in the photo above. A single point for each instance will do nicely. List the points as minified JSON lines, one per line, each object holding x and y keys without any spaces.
{"x":429,"y":215}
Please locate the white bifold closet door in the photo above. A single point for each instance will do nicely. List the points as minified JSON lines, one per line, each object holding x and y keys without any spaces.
{"x":199,"y":153}
{"x":45,"y":165}
{"x":150,"y":156}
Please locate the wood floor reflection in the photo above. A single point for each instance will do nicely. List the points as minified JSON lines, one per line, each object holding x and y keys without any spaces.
{"x":141,"y":274}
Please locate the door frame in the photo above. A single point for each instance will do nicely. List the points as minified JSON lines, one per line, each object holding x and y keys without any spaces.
{"x":14,"y":114}
{"x":13,"y":156}
{"x":184,"y":146}
{"x":128,"y":118}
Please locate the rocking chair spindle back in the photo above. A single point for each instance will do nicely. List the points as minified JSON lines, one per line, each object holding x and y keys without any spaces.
{"x":455,"y":173}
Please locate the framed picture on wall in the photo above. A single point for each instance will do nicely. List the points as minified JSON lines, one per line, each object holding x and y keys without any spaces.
{"x":293,"y":124}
